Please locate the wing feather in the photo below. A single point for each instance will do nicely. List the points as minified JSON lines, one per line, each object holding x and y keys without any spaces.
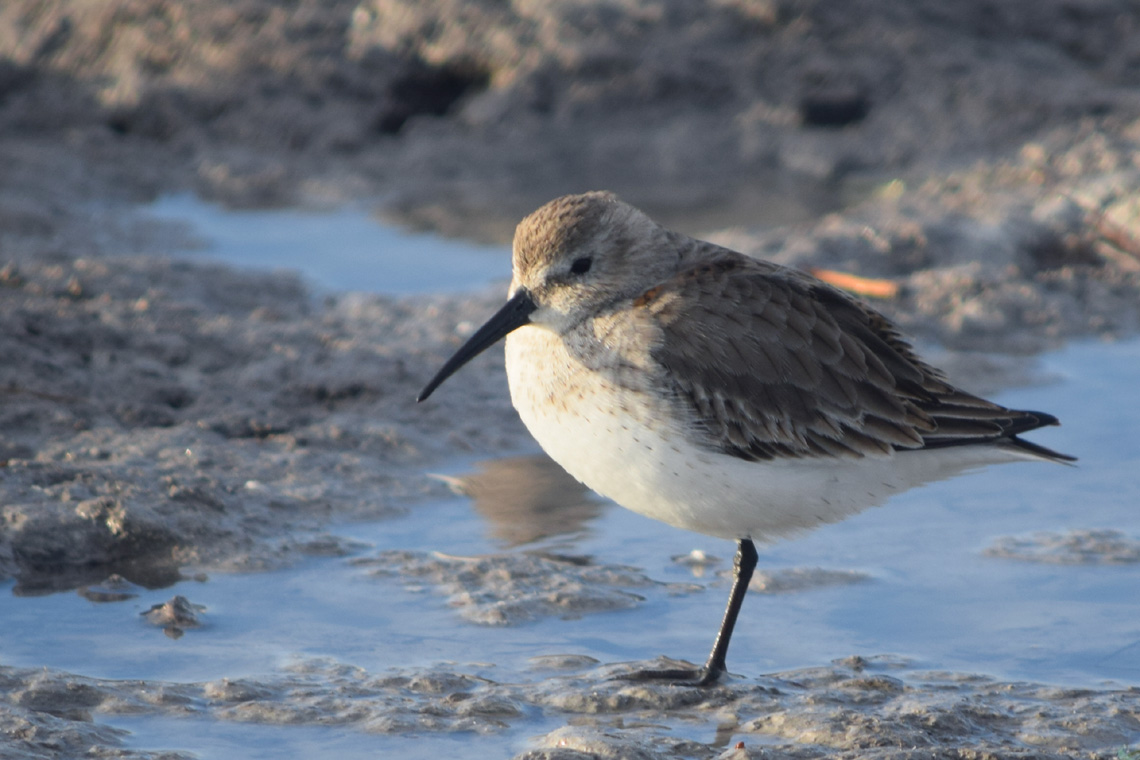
{"x":774,"y":363}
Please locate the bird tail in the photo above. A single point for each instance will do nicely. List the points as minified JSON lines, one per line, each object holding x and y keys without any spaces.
{"x":1027,"y":421}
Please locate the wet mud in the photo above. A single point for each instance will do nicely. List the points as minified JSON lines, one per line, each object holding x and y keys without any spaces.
{"x":163,"y":418}
{"x":859,"y":707}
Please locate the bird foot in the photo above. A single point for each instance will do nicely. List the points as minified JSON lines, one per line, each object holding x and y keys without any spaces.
{"x":703,"y":676}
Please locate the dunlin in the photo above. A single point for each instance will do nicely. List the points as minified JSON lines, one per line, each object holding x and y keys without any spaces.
{"x":719,"y":393}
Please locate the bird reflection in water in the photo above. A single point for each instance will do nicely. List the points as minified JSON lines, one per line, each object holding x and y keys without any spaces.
{"x":525,"y":499}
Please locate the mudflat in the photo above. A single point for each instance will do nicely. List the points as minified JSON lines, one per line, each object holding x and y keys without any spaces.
{"x":159,"y":414}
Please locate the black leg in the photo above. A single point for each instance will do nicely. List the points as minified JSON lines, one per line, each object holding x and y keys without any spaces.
{"x":742,"y":568}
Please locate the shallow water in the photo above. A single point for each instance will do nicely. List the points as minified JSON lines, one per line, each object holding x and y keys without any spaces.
{"x":931,"y":594}
{"x":343,"y":249}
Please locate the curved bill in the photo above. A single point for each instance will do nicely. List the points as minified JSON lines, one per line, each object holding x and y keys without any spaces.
{"x":514,"y":314}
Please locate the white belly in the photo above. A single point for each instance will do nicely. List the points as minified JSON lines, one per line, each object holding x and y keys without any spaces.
{"x":629,"y":447}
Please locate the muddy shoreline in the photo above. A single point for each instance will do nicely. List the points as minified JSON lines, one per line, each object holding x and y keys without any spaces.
{"x":159,"y":414}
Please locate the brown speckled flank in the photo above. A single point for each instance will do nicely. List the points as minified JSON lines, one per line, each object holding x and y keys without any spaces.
{"x":720,"y":393}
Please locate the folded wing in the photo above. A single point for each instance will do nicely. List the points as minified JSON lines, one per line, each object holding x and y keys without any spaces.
{"x":774,"y":363}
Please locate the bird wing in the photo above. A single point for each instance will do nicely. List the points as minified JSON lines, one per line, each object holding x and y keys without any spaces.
{"x":773,"y":363}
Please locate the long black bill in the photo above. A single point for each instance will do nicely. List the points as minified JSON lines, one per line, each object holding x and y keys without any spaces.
{"x":514,"y":314}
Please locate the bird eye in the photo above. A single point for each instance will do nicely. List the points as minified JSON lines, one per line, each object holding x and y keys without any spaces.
{"x":581,"y":266}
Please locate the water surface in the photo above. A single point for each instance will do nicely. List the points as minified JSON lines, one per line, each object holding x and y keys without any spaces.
{"x":343,"y":249}
{"x":931,"y":593}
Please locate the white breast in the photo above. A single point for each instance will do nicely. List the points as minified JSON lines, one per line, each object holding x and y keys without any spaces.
{"x":632,"y":447}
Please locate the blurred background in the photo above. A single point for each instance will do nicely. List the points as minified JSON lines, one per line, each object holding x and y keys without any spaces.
{"x":237,"y":236}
